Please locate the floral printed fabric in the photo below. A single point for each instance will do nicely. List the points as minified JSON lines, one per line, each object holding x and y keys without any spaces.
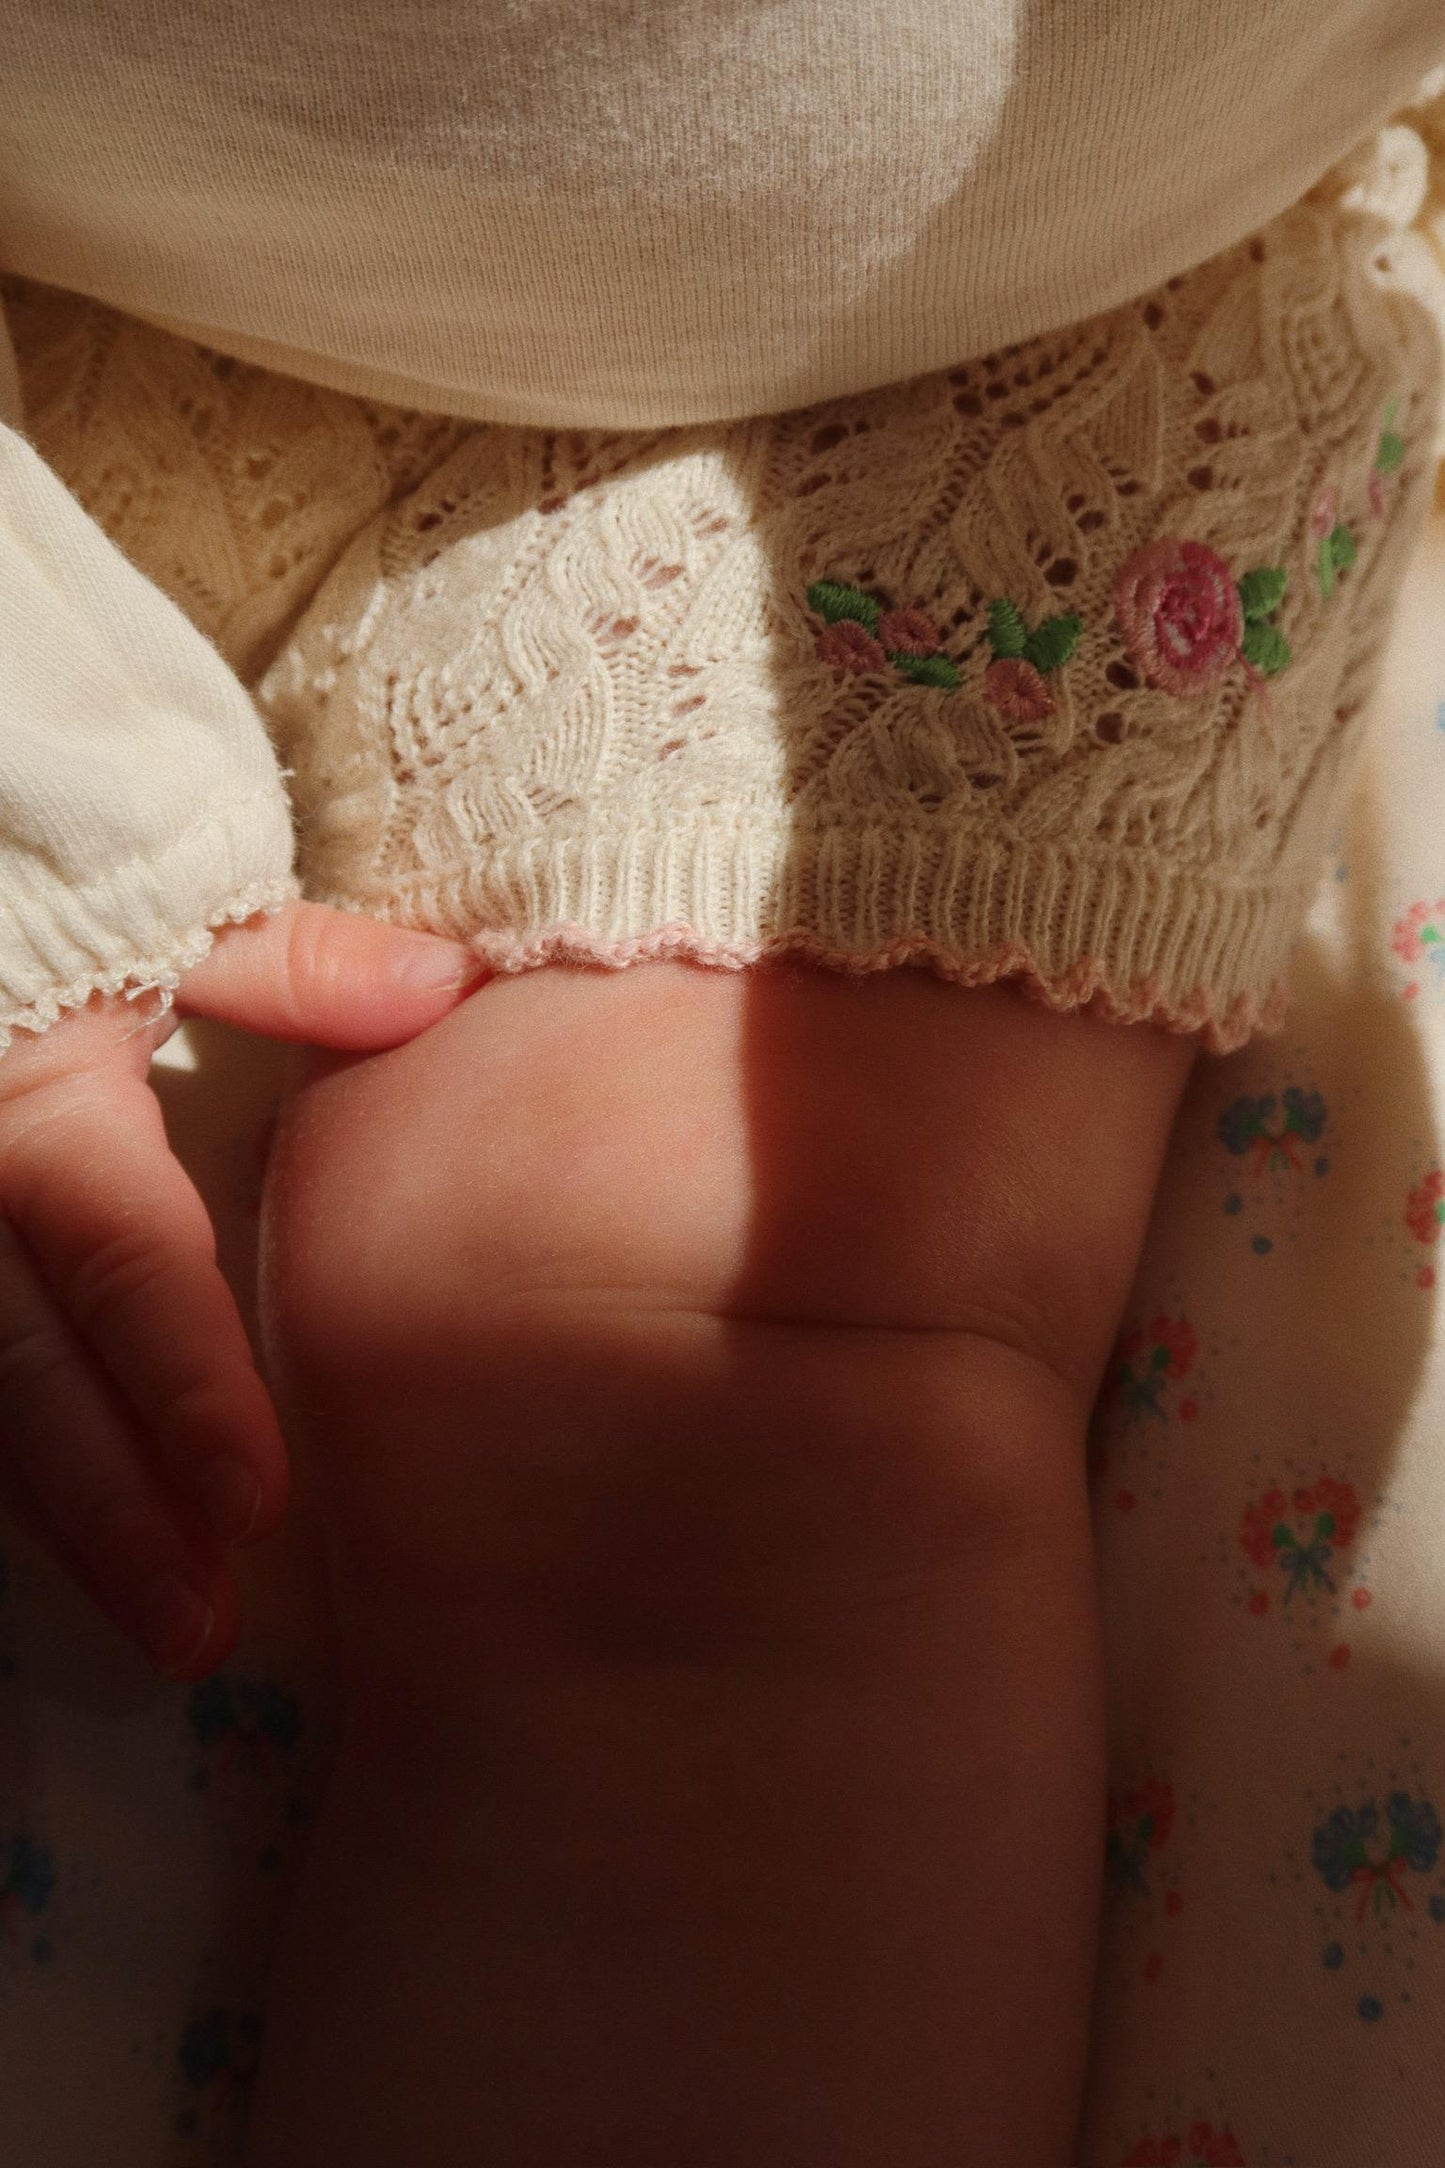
{"x":1268,"y":1487}
{"x":1268,"y":1490}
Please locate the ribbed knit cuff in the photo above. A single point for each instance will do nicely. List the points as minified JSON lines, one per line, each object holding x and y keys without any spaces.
{"x":1143,"y":941}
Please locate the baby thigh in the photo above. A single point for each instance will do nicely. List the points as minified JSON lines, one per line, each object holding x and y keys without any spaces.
{"x":692,"y":1371}
{"x":676,"y":1293}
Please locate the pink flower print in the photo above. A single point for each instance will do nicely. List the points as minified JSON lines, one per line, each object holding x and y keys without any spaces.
{"x":1139,"y":1823}
{"x":1419,"y":936}
{"x":1176,"y":1336}
{"x":1211,"y":2148}
{"x":1180,"y":613}
{"x":1017,"y":690}
{"x":1324,"y":513}
{"x":1425,"y":1207}
{"x":909,"y":631}
{"x":846,"y":646}
{"x":1339,"y":1500}
{"x":1207,"y":2148}
{"x":1302,"y":1538}
{"x":1405,"y":934}
{"x":1145,"y":1358}
{"x":1256,"y":1529}
{"x":1377,"y":497}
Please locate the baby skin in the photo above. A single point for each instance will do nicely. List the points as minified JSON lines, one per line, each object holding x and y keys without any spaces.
{"x":692,"y":1370}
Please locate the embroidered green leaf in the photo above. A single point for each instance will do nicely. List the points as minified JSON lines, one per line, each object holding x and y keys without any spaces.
{"x":1261,"y":592}
{"x":1391,"y":452}
{"x":1266,"y":647}
{"x":1336,"y":553}
{"x":1325,"y":568}
{"x":1007,"y":632}
{"x":926,"y":669}
{"x":833,"y":602}
{"x":1050,"y":645}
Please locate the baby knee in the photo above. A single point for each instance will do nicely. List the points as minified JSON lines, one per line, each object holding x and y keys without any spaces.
{"x":602,"y":1482}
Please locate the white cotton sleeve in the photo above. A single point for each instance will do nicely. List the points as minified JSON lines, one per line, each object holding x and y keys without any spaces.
{"x":141,"y":805}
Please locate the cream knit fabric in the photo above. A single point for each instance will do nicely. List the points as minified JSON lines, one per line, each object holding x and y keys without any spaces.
{"x":1031,"y":666}
{"x":1050,"y":662}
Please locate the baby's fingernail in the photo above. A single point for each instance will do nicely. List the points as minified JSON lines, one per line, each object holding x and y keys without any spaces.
{"x":177,"y":1623}
{"x":436,"y":965}
{"x":231,"y":1496}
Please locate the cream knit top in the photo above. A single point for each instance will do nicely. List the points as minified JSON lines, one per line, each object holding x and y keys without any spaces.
{"x":582,"y":215}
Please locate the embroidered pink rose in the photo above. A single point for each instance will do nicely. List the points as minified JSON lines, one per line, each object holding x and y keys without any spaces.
{"x":909,"y":631}
{"x":846,"y":646}
{"x":1017,"y":690}
{"x":1324,"y":514}
{"x":1180,"y":613}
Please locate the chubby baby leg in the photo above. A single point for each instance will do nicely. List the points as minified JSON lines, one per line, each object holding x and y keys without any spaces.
{"x":692,"y":1371}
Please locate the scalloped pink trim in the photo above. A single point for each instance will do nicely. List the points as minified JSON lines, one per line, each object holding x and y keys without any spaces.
{"x":1084,"y":986}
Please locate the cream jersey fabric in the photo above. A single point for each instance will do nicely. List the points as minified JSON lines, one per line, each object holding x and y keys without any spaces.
{"x":629,"y":214}
{"x":554,"y":215}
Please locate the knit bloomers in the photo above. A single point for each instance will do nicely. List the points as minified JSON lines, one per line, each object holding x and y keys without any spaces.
{"x":1050,"y":665}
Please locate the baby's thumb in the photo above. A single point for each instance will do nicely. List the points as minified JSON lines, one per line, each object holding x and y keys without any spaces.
{"x":328,"y":978}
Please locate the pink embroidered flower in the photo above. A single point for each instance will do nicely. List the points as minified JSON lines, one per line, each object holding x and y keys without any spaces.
{"x":1425,"y":1207}
{"x":1324,"y":514}
{"x":1377,"y":496}
{"x":908,"y":632}
{"x":1017,"y":690}
{"x":846,"y":646}
{"x":1180,"y":614}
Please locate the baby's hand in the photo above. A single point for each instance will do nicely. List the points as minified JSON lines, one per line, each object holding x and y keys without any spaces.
{"x":135,"y":1434}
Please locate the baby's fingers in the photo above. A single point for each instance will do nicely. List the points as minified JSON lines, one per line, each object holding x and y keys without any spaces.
{"x":125,"y":1247}
{"x":71,"y":1472}
{"x":129,"y":1402}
